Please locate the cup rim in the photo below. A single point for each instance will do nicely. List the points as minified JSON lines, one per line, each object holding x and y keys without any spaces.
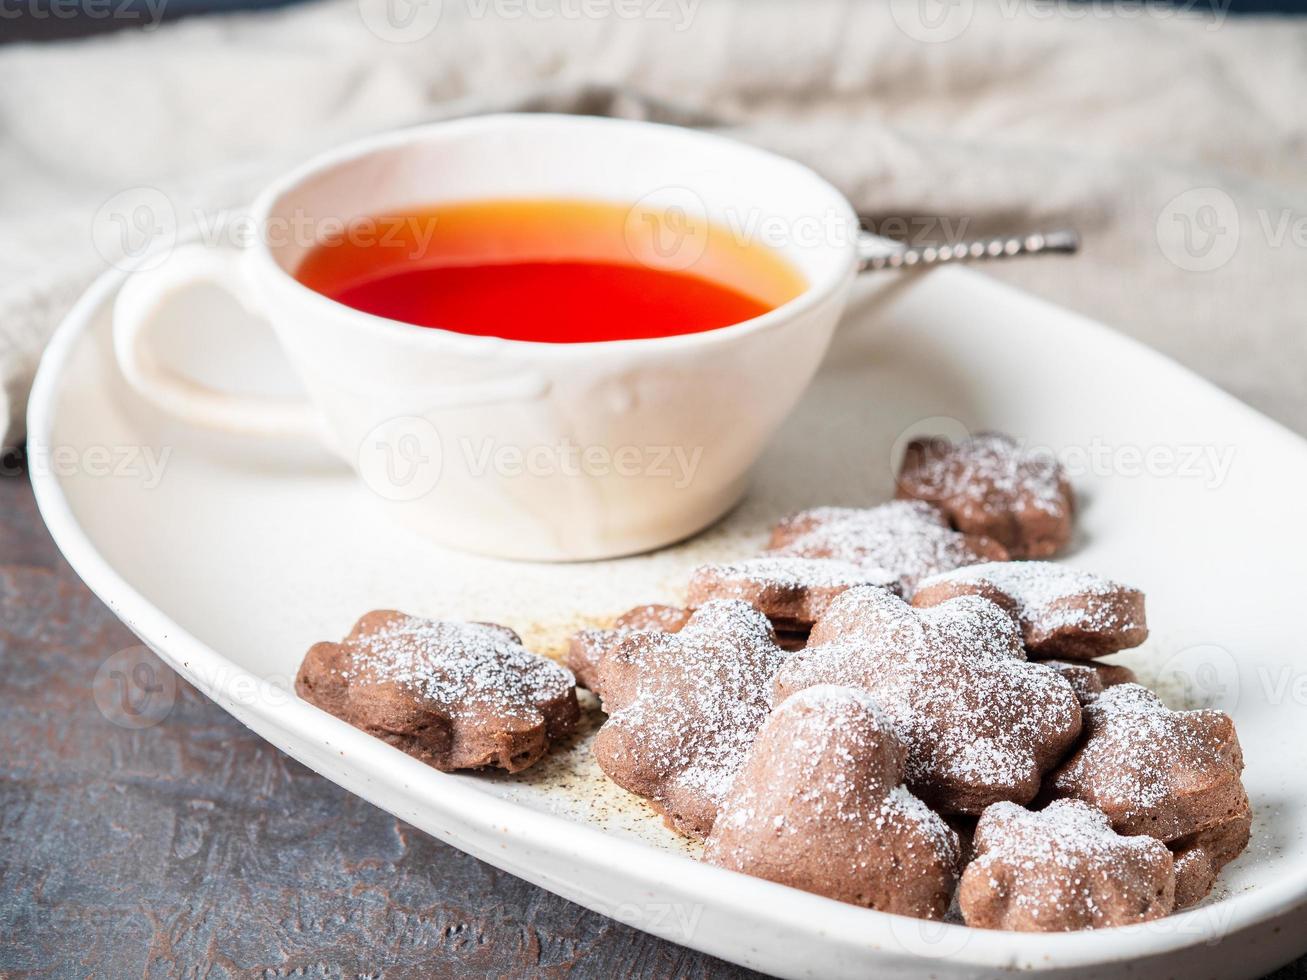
{"x":814,"y":295}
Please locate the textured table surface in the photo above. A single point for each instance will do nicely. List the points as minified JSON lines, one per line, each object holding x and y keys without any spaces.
{"x":193,"y":847}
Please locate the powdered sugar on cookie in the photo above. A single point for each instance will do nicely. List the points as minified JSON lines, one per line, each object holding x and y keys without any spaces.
{"x":586,"y":648}
{"x":455,"y":695}
{"x":792,"y":592}
{"x":820,"y":805}
{"x":685,"y":707}
{"x":908,"y":538}
{"x":802,"y":572}
{"x":1062,"y":868}
{"x":462,"y":667}
{"x":981,"y":724}
{"x":991,"y":485}
{"x":1152,"y":770}
{"x":1062,"y":611}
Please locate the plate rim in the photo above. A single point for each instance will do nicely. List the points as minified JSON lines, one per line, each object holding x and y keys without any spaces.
{"x":868,"y":931}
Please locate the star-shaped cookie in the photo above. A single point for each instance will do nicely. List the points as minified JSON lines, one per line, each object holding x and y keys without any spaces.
{"x":587,"y":647}
{"x":454,"y":695}
{"x":1089,"y":678}
{"x":981,"y":723}
{"x":991,"y":485}
{"x":1062,"y":868}
{"x":1063,"y":612}
{"x":820,"y":805}
{"x":792,"y":592}
{"x":1168,"y":774}
{"x":907,"y":538}
{"x":684,"y":709}
{"x":1200,"y":856}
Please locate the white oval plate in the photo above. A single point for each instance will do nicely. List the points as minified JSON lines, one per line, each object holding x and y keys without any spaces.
{"x":229,"y":560}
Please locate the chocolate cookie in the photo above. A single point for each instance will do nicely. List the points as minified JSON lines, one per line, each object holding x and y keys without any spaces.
{"x":1063,"y":613}
{"x":1062,"y":868}
{"x":1110,"y":675}
{"x":791,"y":592}
{"x":980,"y":722}
{"x":907,"y":538}
{"x":1088,"y":678}
{"x":1200,"y":857}
{"x":1194,"y":876}
{"x":1168,"y":774}
{"x":454,"y":695}
{"x":820,"y":805}
{"x":586,"y":647}
{"x":684,"y":708}
{"x":990,"y":485}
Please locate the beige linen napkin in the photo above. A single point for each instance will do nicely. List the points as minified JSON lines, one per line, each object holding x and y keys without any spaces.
{"x":1173,"y":138}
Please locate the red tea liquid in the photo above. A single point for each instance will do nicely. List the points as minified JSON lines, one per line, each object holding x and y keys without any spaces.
{"x":551,"y":271}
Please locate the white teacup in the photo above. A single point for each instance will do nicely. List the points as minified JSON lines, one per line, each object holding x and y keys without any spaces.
{"x":518,"y":449}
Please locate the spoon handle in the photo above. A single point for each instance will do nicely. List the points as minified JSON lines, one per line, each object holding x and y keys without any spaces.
{"x":875,"y":256}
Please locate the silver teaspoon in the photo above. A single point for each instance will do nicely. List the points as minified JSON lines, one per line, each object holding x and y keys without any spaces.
{"x":875,"y":255}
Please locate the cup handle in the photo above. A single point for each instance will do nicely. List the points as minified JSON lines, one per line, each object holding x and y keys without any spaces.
{"x":134,"y":313}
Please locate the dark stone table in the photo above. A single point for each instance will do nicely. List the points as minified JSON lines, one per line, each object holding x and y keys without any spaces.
{"x":192,"y":847}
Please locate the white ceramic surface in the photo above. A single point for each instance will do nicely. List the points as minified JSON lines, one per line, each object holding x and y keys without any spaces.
{"x":427,"y":415}
{"x":234,"y":561}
